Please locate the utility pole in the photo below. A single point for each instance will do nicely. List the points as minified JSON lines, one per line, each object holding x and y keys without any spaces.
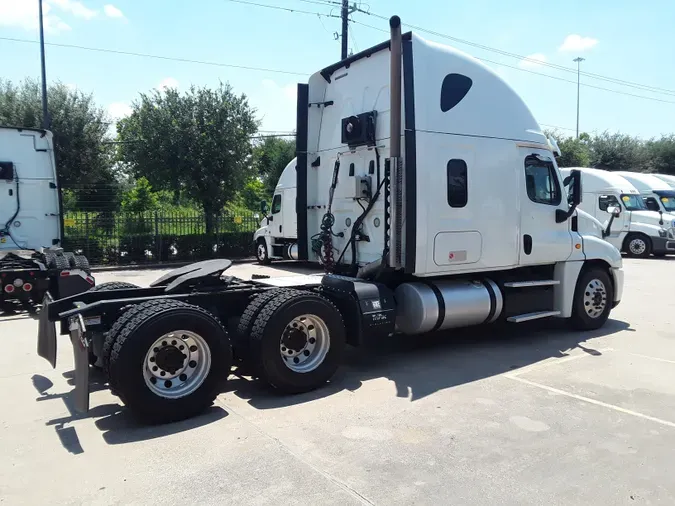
{"x":46,"y":122}
{"x":345,"y":28}
{"x":578,"y":60}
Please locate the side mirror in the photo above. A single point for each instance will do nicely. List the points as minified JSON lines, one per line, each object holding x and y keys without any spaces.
{"x":263,"y":207}
{"x":614,"y":211}
{"x":576,"y":188}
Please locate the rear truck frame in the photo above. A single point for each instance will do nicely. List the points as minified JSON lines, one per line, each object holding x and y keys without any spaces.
{"x":28,"y":277}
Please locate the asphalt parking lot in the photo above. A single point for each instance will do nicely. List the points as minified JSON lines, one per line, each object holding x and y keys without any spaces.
{"x":515,"y":415}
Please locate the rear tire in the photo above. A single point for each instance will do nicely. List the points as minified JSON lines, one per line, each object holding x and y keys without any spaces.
{"x":71,"y":259}
{"x":297,"y":341}
{"x":57,"y":262}
{"x":82,"y":263}
{"x":192,"y":376}
{"x":638,"y":246}
{"x":261,"y":252}
{"x":100,"y":354}
{"x":241,"y":342}
{"x":593,"y":299}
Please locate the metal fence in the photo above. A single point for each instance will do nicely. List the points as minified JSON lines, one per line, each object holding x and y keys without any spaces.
{"x":118,"y":238}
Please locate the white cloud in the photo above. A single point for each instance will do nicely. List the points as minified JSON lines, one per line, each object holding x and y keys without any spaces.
{"x":167,"y":83}
{"x":577,"y":43}
{"x":23,"y":14}
{"x":532,"y":61}
{"x":77,"y":9}
{"x":113,"y":12}
{"x":119,"y":110}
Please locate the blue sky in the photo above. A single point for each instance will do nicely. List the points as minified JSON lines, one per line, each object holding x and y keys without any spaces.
{"x":620,"y":39}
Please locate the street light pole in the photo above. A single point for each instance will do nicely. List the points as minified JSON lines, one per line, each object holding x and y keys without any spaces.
{"x":46,"y":123}
{"x":578,"y":60}
{"x":345,"y":28}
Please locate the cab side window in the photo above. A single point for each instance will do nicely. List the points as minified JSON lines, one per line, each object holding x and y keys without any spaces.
{"x":605,"y":201}
{"x":652,"y":204}
{"x":541,"y":181}
{"x":276,"y":204}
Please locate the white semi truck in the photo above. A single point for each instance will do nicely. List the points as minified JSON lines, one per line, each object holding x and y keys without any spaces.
{"x":277,"y":237}
{"x":31,"y":226}
{"x":668,"y":178}
{"x":431,"y":197}
{"x":637,"y":231}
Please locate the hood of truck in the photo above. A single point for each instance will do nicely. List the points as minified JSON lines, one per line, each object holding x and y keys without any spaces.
{"x":653,"y":218}
{"x":30,"y":216}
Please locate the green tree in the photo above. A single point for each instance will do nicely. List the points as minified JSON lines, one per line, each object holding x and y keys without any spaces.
{"x":195,"y":144}
{"x":660,"y":155}
{"x":618,"y":152}
{"x":140,"y":198}
{"x":574,"y":153}
{"x":270,"y":158}
{"x":83,"y":155}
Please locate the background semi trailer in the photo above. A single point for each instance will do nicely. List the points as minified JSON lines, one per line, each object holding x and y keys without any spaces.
{"x":430,"y":195}
{"x":637,"y":231}
{"x":277,"y":237}
{"x":31,"y":258}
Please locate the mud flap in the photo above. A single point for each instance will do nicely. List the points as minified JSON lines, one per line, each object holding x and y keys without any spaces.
{"x":81,"y":354}
{"x":46,"y":345}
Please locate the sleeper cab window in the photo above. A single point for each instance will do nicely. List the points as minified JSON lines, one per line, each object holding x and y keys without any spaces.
{"x":276,"y":204}
{"x":458,"y":191}
{"x":605,"y":201}
{"x":541,"y":182}
{"x":453,"y":90}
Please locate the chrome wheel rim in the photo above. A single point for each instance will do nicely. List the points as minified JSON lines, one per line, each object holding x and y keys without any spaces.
{"x":637,"y":246}
{"x":595,"y":298}
{"x":262,"y":253}
{"x":304,"y":343}
{"x":177,"y":364}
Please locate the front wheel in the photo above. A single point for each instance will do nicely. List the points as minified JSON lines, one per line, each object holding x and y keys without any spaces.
{"x":169,"y":361}
{"x":297,"y":341}
{"x":593,"y":298}
{"x":261,"y":252}
{"x":638,"y":246}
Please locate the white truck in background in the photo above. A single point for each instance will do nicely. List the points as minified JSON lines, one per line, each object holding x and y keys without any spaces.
{"x":657,"y":194}
{"x":432,"y":198}
{"x":32,"y":261}
{"x":277,"y":237}
{"x":636,"y":231}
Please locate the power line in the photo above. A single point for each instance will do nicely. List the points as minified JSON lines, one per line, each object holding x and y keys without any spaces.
{"x":532,"y":71}
{"x":622,"y":82}
{"x":287,"y":9}
{"x":158,"y":57}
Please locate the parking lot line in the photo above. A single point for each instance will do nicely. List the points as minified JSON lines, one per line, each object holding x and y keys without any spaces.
{"x":553,"y":361}
{"x":649,"y":357}
{"x":591,"y":401}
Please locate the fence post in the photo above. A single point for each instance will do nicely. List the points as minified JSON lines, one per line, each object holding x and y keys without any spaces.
{"x":86,"y":235}
{"x":158,"y":239}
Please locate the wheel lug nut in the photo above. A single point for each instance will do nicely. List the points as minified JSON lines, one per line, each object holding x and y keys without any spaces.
{"x":283,"y":348}
{"x":193,"y":363}
{"x":312,"y":340}
{"x":162,"y":373}
{"x":174,"y":342}
{"x":168,"y":383}
{"x":296,"y":360}
{"x":155,"y":368}
{"x":193,"y":348}
{"x":181,"y":347}
{"x":153,"y":380}
{"x":306,"y":353}
{"x":182,"y":377}
{"x":152,"y":359}
{"x":163,"y":343}
{"x":155,"y":350}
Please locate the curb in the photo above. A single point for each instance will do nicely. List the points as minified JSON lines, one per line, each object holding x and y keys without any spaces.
{"x":165,"y":265}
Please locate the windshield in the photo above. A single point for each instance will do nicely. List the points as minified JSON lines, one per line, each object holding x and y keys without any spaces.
{"x":633,"y":203}
{"x":668,"y":203}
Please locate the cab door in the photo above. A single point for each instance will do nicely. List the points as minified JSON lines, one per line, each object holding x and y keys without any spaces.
{"x":289,"y":228}
{"x":542,"y":239}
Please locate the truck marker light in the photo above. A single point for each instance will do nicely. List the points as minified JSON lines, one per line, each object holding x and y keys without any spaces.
{"x":577,"y":246}
{"x":9,"y":288}
{"x":27,"y":287}
{"x":65,"y":274}
{"x":90,"y":280}
{"x":18,"y":282}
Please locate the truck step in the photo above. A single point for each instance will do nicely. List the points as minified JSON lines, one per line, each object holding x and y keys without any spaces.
{"x":529,"y":284}
{"x":531,"y":316}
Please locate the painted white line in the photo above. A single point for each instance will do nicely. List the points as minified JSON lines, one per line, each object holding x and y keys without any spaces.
{"x":647,"y":356}
{"x":553,"y":361}
{"x":592,"y":401}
